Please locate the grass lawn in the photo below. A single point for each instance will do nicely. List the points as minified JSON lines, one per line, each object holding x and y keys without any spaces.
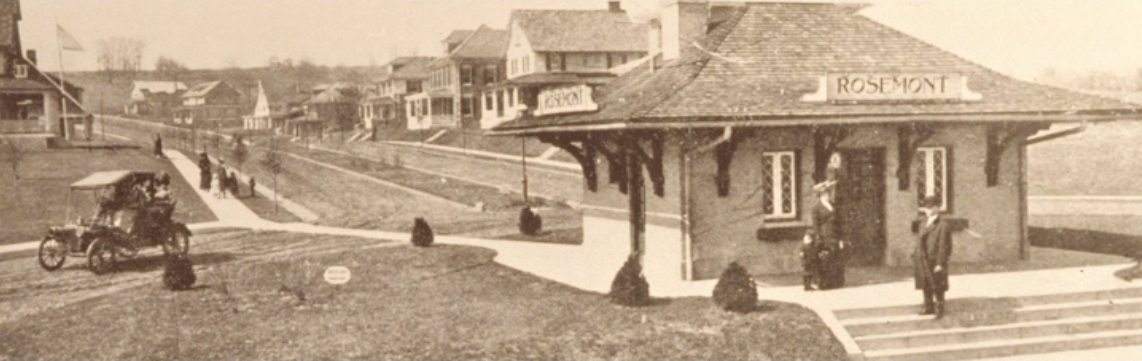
{"x":1110,"y":235}
{"x":1099,"y":161}
{"x":402,"y":302}
{"x":264,"y":207}
{"x":41,"y":197}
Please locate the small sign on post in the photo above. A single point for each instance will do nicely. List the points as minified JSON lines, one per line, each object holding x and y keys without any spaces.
{"x":337,"y":275}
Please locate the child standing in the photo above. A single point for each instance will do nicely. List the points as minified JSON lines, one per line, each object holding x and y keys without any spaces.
{"x":811,"y":261}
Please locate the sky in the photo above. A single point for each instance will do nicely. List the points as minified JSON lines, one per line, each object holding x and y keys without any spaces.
{"x":1018,"y":38}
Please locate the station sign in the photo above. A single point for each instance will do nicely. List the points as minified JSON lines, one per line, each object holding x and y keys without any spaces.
{"x":565,"y":99}
{"x":895,"y":86}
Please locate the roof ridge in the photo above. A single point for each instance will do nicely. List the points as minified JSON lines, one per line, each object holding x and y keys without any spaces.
{"x":712,"y":36}
{"x":467,"y":39}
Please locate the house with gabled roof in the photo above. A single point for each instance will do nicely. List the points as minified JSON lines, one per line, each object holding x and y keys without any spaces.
{"x":456,"y":80}
{"x":210,"y":104}
{"x":383,"y":106}
{"x":152,"y":97}
{"x":574,"y":49}
{"x":33,"y":103}
{"x":708,"y":153}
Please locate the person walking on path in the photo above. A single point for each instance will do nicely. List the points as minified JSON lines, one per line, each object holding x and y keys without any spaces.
{"x":204,"y":172}
{"x":158,"y":146}
{"x":930,"y":260}
{"x":811,"y":260}
{"x":216,"y":186}
{"x":827,"y":228}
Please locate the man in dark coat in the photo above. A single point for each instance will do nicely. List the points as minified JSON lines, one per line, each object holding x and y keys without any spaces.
{"x":158,"y":146}
{"x":204,"y":172}
{"x":933,"y":249}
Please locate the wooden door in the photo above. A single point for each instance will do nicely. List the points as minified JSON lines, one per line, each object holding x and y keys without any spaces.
{"x":860,"y":203}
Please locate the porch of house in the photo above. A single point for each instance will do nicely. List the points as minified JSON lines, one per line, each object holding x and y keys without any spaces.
{"x":431,"y":110}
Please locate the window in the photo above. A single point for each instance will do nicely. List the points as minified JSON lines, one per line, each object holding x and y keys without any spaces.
{"x":515,"y":69}
{"x":414,"y":86}
{"x":488,"y":101}
{"x":511,"y":98}
{"x":21,"y":71}
{"x":932,"y":178}
{"x":490,"y":74}
{"x":466,"y":107}
{"x":526,"y":64}
{"x":779,"y":185}
{"x":466,"y":75}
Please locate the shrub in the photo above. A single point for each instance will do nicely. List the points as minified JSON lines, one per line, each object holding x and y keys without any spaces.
{"x":421,"y":233}
{"x":529,"y":222}
{"x":735,"y":291}
{"x":178,"y":272}
{"x":630,"y":287}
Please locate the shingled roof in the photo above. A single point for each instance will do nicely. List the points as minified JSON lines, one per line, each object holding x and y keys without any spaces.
{"x":580,"y":30}
{"x":201,"y":89}
{"x":485,"y":42}
{"x":409,"y":68}
{"x":754,"y":68}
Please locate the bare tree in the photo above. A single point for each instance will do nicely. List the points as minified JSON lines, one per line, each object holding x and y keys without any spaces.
{"x":272,"y":162}
{"x":239,"y":153}
{"x":170,"y":69}
{"x":13,"y":154}
{"x":119,"y":54}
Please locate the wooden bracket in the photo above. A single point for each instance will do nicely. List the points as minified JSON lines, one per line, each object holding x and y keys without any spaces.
{"x":825,"y":141}
{"x":584,"y":154}
{"x":909,"y":137}
{"x":616,"y":164}
{"x":999,"y":138}
{"x":652,"y":160}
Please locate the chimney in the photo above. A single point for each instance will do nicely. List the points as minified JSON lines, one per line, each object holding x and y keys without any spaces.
{"x":614,"y":6}
{"x":683,"y":22}
{"x":31,"y":56}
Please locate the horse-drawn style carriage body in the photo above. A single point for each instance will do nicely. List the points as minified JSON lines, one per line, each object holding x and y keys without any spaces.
{"x":129,"y":217}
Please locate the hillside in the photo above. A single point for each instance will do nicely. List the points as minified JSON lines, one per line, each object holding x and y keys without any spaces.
{"x":110,"y":94}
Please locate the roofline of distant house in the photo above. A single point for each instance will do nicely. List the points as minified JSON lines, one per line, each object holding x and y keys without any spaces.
{"x":780,"y":121}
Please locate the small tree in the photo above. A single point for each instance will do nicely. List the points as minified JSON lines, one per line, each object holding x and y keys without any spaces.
{"x":421,"y":233}
{"x":13,"y":154}
{"x":239,"y":153}
{"x":272,"y":162}
{"x":178,"y":272}
{"x":529,"y":222}
{"x":736,"y":291}
{"x":630,"y":287}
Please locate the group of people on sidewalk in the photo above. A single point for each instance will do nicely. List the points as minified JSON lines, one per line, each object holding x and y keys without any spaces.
{"x":823,"y":251}
{"x":219,"y":181}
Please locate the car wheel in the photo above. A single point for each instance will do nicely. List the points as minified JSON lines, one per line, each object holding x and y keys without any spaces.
{"x":100,"y":257}
{"x":52,"y":253}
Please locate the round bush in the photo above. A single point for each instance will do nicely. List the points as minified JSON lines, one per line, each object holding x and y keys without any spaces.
{"x":529,"y":222}
{"x":630,"y":287}
{"x":735,"y":291}
{"x":421,"y":233}
{"x":178,"y":272}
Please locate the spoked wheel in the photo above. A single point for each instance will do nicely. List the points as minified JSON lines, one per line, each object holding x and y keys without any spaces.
{"x":179,"y":243}
{"x":52,"y":253}
{"x":101,"y":257}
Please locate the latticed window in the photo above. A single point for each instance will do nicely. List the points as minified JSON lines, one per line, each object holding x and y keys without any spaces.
{"x":932,"y":178}
{"x":779,"y":185}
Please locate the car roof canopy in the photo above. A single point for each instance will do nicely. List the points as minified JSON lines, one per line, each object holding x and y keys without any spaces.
{"x":101,"y":179}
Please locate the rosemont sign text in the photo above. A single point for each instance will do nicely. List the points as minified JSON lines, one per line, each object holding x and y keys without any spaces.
{"x":892,"y":86}
{"x":568,"y":99}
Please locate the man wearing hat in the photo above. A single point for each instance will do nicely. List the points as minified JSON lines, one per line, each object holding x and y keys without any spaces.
{"x":933,"y":249}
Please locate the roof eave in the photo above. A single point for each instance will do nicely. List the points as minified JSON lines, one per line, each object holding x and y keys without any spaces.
{"x":778,"y":121}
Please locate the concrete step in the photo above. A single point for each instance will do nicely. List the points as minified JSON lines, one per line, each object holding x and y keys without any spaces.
{"x":1022,"y":301}
{"x":991,"y":315}
{"x":1001,"y":348}
{"x":1014,"y":331}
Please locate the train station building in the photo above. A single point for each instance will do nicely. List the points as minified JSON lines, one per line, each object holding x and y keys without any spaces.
{"x":707,"y":152}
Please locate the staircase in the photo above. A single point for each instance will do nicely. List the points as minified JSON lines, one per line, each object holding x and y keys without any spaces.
{"x":997,"y":327}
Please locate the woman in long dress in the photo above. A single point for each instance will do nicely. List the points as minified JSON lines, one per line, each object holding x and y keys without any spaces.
{"x":827,"y":227}
{"x":216,"y":186}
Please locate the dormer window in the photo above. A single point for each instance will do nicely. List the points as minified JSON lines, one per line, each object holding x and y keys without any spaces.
{"x":20,"y":71}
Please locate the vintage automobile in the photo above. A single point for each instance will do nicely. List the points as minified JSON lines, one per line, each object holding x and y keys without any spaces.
{"x":129,"y":217}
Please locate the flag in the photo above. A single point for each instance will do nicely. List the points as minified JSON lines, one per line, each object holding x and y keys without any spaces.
{"x":66,"y":41}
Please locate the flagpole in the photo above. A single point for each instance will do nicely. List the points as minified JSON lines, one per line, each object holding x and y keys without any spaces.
{"x":62,"y":85}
